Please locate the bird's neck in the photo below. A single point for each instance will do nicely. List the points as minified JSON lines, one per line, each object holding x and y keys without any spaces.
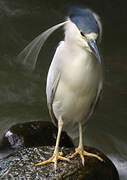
{"x":75,"y":48}
{"x":73,"y":39}
{"x":79,"y":54}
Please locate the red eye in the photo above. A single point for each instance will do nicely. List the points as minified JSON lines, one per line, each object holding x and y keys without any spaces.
{"x":82,"y":34}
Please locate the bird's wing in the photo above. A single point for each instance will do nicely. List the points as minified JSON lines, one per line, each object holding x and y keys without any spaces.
{"x":96,"y":100}
{"x":52,"y":95}
{"x":53,"y":79}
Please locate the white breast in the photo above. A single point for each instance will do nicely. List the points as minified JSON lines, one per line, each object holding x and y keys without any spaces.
{"x":78,"y":86}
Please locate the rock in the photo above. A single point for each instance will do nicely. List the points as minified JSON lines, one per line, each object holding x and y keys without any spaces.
{"x":23,"y":142}
{"x":33,"y":134}
{"x":21,"y":166}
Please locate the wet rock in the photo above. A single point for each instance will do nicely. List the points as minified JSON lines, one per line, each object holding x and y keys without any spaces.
{"x":21,"y":166}
{"x":33,"y":134}
{"x":23,"y":141}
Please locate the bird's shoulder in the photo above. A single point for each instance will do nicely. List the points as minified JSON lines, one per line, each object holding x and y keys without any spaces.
{"x":56,"y":61}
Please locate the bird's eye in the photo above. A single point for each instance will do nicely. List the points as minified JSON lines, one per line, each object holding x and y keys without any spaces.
{"x":82,"y":34}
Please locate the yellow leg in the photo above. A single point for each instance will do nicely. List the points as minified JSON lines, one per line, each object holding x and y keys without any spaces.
{"x":80,"y":150}
{"x":56,"y":155}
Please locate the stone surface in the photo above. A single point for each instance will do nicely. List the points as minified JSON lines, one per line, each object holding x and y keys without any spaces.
{"x":33,"y":134}
{"x":21,"y":166}
{"x":23,"y":143}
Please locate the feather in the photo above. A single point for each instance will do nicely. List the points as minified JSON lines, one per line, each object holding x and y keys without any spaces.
{"x":28,"y":56}
{"x":52,"y":82}
{"x":50,"y":107}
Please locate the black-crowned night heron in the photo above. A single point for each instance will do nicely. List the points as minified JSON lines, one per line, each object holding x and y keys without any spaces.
{"x":74,"y":79}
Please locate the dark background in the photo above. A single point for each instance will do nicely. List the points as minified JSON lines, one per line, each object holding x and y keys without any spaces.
{"x":22,"y":93}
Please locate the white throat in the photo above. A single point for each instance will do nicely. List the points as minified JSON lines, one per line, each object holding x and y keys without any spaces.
{"x":73,"y":37}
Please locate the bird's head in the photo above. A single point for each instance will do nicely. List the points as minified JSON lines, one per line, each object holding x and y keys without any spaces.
{"x":83,"y":29}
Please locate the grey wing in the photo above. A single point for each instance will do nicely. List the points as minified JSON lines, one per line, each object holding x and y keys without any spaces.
{"x":50,"y":98}
{"x":53,"y":79}
{"x":96,"y":100}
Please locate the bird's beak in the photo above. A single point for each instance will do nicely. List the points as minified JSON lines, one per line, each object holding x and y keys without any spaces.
{"x":94,"y":48}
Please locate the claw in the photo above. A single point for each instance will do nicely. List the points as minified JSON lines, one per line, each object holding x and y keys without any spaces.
{"x":92,"y":155}
{"x":54,"y":159}
{"x":80,"y":151}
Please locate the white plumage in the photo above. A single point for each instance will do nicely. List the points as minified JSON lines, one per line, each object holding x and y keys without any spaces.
{"x":74,"y":80}
{"x":79,"y":76}
{"x":74,"y":84}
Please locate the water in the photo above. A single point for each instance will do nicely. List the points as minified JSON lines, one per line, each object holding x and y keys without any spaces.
{"x":22,"y":93}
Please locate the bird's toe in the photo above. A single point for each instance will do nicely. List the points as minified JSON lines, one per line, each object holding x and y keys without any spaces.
{"x":54,"y":159}
{"x":80,"y":151}
{"x":85,"y":153}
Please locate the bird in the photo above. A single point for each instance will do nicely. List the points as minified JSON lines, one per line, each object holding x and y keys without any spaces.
{"x":75,"y":78}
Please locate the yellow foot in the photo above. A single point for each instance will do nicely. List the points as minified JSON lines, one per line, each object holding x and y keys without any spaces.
{"x":83,"y":153}
{"x":54,"y":159}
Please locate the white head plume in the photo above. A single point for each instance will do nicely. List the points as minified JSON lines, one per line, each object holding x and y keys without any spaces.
{"x":28,"y":56}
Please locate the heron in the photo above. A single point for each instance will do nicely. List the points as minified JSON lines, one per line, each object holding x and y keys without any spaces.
{"x":75,"y":76}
